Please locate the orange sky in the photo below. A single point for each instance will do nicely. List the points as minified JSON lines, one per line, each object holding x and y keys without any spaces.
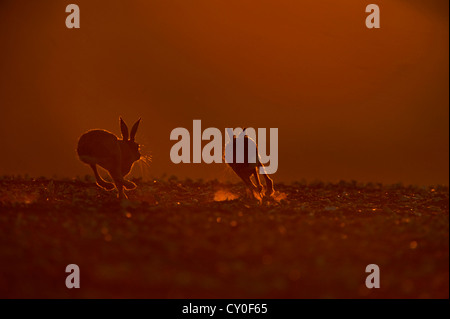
{"x":349,"y":102}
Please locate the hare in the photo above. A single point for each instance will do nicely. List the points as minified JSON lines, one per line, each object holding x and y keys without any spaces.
{"x":250,"y":166}
{"x":103,"y":148}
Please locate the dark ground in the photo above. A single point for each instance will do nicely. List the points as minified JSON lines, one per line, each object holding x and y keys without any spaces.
{"x":183,"y":239}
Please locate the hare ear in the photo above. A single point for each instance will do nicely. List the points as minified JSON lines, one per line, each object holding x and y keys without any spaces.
{"x":134,"y":130}
{"x":124,"y":129}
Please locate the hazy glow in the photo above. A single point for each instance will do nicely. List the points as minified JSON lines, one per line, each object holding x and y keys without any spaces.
{"x":350,"y":103}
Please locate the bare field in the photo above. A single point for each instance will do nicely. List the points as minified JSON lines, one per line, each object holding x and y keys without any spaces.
{"x":195,"y":239}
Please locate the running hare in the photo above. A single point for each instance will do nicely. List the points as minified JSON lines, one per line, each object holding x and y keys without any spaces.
{"x":251,"y":163}
{"x":103,"y":148}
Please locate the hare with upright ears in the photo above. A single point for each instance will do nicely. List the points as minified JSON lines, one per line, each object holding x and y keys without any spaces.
{"x":103,"y":148}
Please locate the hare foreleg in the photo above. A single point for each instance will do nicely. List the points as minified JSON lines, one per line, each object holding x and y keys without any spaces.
{"x":269,"y":183}
{"x":119,"y":181}
{"x":246,"y":178}
{"x":258,"y":181}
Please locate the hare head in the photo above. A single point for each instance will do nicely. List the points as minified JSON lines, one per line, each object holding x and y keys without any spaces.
{"x":128,"y":146}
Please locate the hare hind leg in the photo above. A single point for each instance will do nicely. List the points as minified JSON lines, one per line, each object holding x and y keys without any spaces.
{"x":128,"y":184}
{"x":100,"y":181}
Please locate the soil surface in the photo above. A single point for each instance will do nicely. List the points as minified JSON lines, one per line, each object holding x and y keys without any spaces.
{"x":196,"y":239}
